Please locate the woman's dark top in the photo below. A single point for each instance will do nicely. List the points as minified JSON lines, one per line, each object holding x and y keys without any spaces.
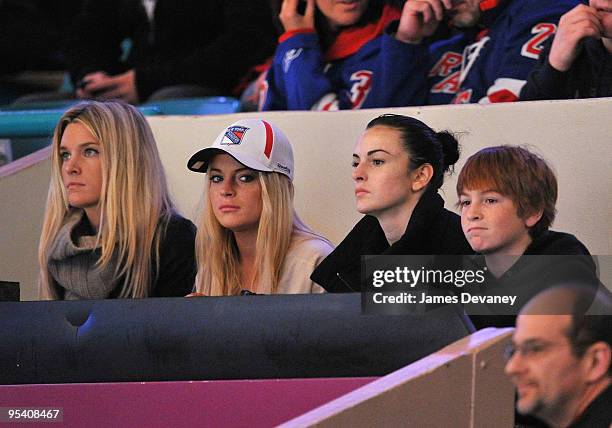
{"x":74,"y":254}
{"x":431,"y":230}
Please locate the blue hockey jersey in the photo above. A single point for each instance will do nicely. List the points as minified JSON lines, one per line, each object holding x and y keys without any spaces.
{"x":491,"y":64}
{"x":354,"y":73}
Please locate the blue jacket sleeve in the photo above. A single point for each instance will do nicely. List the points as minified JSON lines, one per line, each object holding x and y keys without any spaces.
{"x":296,"y":80}
{"x":399,"y":75}
{"x":383,"y":73}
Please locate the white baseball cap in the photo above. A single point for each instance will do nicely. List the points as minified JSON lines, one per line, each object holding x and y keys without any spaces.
{"x":255,"y":143}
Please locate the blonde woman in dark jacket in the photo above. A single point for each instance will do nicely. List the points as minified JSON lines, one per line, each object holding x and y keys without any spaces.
{"x":110,"y":229}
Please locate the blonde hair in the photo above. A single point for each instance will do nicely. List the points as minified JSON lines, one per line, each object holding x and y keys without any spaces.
{"x":134,"y":202}
{"x":217,"y":253}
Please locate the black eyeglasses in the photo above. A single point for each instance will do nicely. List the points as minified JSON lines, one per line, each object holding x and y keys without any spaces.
{"x":529,"y":349}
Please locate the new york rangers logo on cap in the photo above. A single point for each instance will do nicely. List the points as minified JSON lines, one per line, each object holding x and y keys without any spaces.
{"x":234,"y":135}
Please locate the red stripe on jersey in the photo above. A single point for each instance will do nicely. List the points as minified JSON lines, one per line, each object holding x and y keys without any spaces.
{"x":481,"y":34}
{"x":288,"y":34}
{"x":488,"y":4}
{"x":354,"y":38}
{"x":269,"y":139}
{"x":502,"y":96}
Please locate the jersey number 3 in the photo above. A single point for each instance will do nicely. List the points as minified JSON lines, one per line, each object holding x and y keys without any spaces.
{"x":361,"y":87}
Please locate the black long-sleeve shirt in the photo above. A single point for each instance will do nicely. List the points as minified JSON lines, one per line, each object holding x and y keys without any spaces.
{"x":590,"y":76}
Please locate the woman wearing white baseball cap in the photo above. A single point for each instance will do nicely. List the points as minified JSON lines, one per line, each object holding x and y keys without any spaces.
{"x":249,"y":236}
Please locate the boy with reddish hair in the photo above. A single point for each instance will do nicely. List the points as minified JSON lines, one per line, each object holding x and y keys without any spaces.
{"x":507,"y":196}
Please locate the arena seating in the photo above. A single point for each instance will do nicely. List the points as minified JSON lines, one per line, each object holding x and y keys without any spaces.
{"x":572,"y":135}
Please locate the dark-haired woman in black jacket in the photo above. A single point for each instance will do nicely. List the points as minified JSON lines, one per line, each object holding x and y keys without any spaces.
{"x":399,"y":165}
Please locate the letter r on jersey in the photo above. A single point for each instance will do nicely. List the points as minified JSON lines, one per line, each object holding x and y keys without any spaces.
{"x":446,"y":64}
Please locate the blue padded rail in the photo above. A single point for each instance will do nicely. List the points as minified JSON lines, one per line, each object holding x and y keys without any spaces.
{"x":28,"y":123}
{"x":40,"y":123}
{"x":40,"y":119}
{"x":62,"y":104}
{"x":197,"y":106}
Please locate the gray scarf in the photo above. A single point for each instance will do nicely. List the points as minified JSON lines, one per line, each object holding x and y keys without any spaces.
{"x":72,"y":265}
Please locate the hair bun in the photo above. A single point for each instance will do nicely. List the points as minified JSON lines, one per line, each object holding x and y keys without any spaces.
{"x":450,"y":148}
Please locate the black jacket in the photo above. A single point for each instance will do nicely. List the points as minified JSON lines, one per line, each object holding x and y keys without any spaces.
{"x":210,"y":43}
{"x":431,"y":230}
{"x":177,"y":263}
{"x":568,"y":263}
{"x":598,"y":414}
{"x":590,"y":76}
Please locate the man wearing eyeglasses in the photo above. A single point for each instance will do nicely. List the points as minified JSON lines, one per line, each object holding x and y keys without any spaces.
{"x":560,"y":359}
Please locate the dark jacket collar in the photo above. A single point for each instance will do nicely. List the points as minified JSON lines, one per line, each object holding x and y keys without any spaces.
{"x":415,"y":238}
{"x":557,"y":243}
{"x":368,"y":237}
{"x":340,"y":271}
{"x":598,"y":413}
